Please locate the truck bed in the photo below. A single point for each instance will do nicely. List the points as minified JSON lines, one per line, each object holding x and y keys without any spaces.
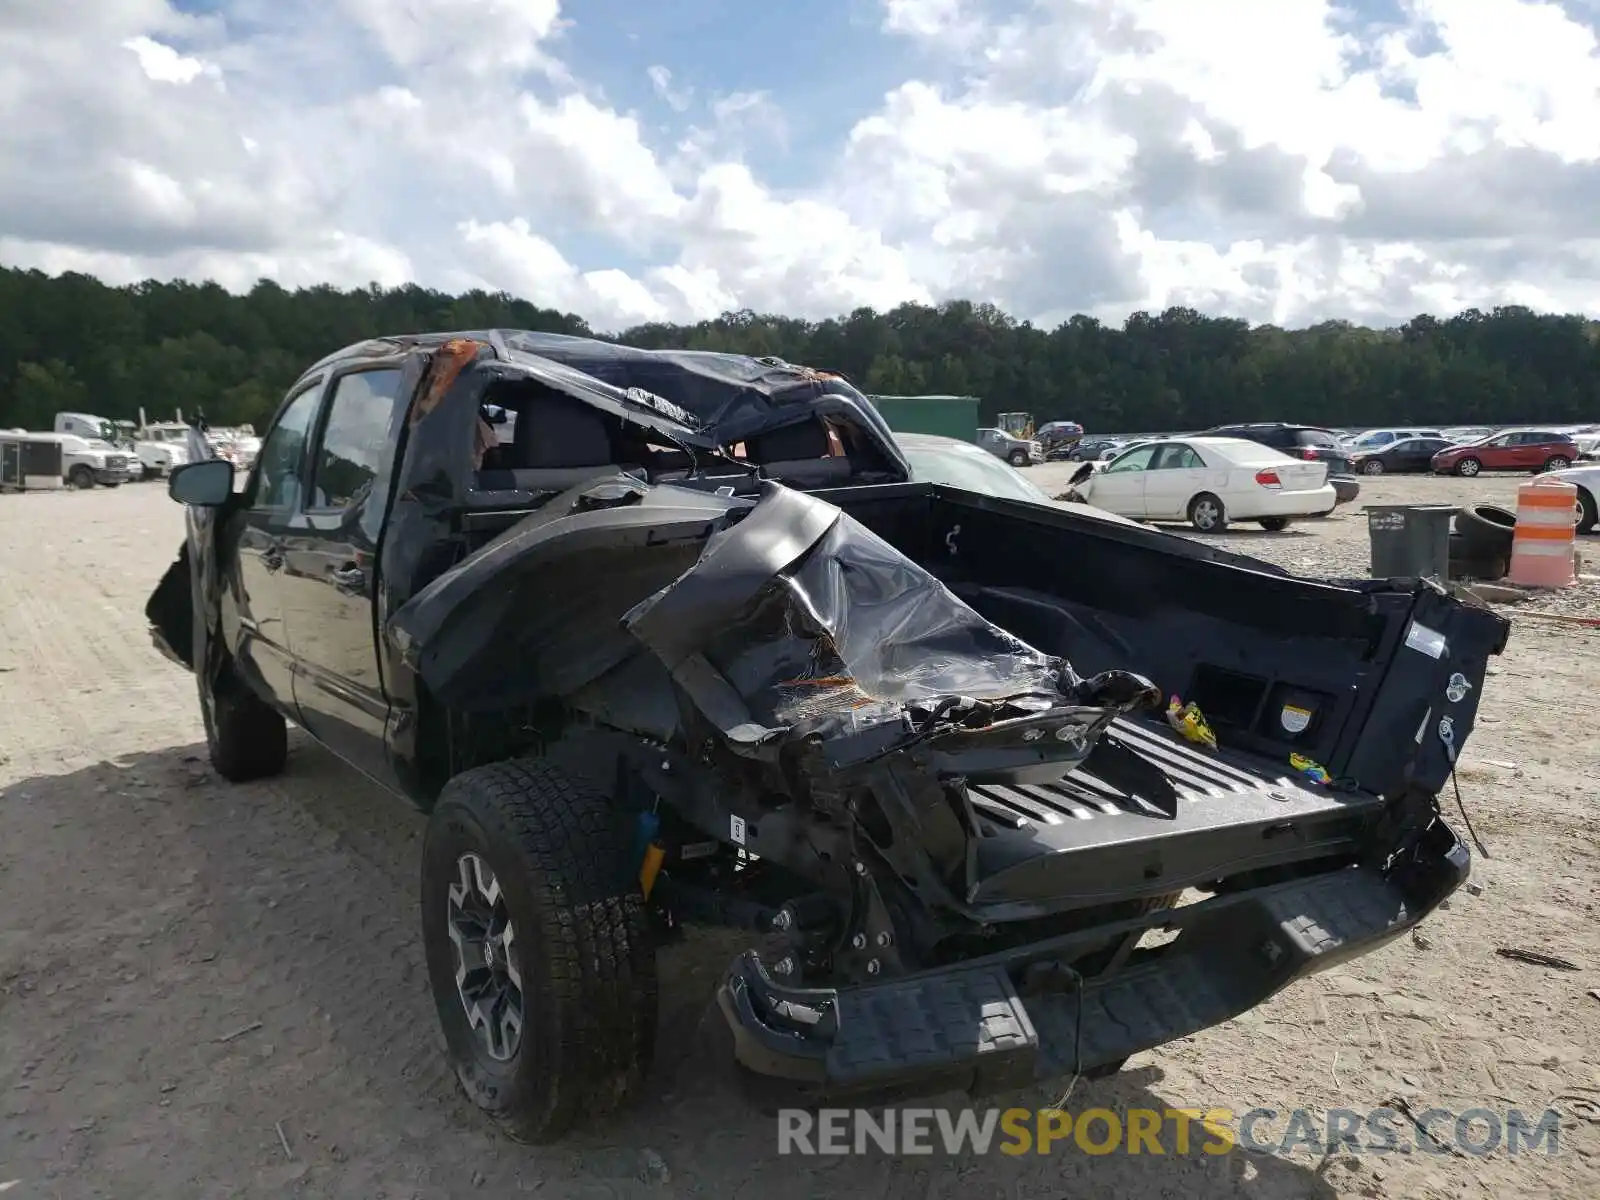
{"x":1235,"y":812}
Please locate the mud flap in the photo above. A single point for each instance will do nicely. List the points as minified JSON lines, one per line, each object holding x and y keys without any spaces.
{"x":170,"y":611}
{"x":183,"y":605}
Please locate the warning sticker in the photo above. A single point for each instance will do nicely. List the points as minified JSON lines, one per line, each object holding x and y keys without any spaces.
{"x":1294,"y":718}
{"x":1429,"y":641}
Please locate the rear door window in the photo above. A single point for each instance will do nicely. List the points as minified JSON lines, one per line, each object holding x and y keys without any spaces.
{"x":1177,"y":458}
{"x":354,"y":437}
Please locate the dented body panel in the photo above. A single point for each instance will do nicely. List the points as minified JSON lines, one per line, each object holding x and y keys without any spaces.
{"x":915,"y":729}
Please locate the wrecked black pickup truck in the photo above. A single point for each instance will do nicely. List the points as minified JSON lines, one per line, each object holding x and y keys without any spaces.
{"x":662,"y":638}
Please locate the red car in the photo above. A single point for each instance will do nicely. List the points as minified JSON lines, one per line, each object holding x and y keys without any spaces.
{"x":1509,"y":450}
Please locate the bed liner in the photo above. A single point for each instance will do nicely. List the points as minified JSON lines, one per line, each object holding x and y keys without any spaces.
{"x":1235,"y":811}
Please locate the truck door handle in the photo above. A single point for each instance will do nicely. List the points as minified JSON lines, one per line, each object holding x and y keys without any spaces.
{"x":349,"y":578}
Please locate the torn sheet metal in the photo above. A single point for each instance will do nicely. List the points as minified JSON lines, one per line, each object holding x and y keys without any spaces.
{"x":823,"y":628}
{"x":777,"y":619}
{"x":537,"y":613}
{"x":731,"y":396}
{"x":448,"y":361}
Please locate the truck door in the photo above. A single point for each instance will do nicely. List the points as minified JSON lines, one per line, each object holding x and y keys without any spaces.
{"x":262,"y":646}
{"x":329,"y":570}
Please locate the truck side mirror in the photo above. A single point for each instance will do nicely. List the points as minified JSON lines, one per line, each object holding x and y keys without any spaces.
{"x":206,"y":484}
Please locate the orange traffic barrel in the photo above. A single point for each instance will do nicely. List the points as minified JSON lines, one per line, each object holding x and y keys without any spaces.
{"x":1543,"y":553}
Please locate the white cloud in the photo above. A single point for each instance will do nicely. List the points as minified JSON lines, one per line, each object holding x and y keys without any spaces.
{"x":1270,"y":158}
{"x":469,"y":37}
{"x":163,"y":64}
{"x":317,"y":259}
{"x":1283,"y":160}
{"x":531,"y":267}
{"x":677,"y":99}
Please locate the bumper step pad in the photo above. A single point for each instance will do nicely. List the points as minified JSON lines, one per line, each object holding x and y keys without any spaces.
{"x":969,"y":1029}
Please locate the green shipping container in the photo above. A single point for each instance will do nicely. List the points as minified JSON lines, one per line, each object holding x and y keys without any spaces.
{"x":947,"y":416}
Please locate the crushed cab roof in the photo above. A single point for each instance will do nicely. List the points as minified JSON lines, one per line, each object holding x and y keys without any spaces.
{"x":731,"y":393}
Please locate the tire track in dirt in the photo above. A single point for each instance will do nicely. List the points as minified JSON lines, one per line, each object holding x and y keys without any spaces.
{"x":149,"y":914}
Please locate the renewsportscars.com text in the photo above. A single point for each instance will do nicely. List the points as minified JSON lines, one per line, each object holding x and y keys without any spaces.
{"x":1178,"y":1131}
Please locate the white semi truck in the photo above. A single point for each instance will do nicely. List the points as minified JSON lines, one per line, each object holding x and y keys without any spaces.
{"x":156,"y":448}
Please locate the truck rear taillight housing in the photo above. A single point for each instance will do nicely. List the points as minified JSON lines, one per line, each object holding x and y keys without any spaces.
{"x":1268,"y":479}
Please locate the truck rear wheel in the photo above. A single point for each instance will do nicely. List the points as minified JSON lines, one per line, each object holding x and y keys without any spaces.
{"x":539,"y":955}
{"x":246,"y":737}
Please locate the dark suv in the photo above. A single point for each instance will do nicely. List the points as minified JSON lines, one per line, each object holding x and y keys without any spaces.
{"x":1298,"y":441}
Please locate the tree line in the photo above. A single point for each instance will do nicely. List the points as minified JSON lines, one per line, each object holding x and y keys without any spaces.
{"x":72,"y":343}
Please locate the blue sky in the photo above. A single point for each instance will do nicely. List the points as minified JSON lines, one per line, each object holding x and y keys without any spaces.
{"x":824,"y":63}
{"x":1260,"y":158}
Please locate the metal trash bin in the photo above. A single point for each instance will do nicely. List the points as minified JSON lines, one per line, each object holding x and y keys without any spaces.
{"x":1410,"y":540}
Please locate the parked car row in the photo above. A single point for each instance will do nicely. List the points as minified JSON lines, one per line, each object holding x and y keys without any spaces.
{"x":1274,"y":472}
{"x":1510,"y":450}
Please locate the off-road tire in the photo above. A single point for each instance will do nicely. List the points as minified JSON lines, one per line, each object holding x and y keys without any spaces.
{"x":1198,"y":509}
{"x":1274,"y":524}
{"x":247,"y":738}
{"x":1468,"y":468}
{"x":1018,"y":458}
{"x":559,"y":851}
{"x":1557,"y":462}
{"x":1373,"y":466}
{"x":1590,"y":512}
{"x":81,"y":477}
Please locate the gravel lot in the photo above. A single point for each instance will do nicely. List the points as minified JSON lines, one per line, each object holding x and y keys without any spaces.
{"x":211,"y":991}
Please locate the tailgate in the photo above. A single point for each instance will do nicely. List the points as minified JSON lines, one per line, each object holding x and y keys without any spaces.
{"x":1084,"y":841}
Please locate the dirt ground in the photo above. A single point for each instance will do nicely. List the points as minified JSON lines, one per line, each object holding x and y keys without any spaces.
{"x":219,"y":991}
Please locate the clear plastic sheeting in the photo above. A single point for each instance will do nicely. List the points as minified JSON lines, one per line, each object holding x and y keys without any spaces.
{"x":855,"y":622}
{"x":820,"y":625}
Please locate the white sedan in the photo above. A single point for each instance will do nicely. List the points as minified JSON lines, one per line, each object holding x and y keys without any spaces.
{"x":1208,"y":481}
{"x":1586,"y":478}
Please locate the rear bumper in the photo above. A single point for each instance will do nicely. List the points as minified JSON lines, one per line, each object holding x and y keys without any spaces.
{"x":1307,"y":502}
{"x":980,"y":1028}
